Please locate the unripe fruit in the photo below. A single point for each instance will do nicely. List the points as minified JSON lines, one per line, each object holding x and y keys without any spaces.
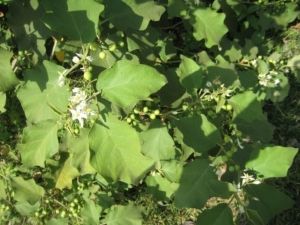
{"x":136,"y":111}
{"x":102,"y":55}
{"x":184,"y":107}
{"x":152,"y":116}
{"x":76,"y":131}
{"x":128,"y":120}
{"x":145,"y":109}
{"x":87,"y":75}
{"x":112,"y":47}
{"x":132,"y":116}
{"x":228,"y":107}
{"x":121,"y":43}
{"x":156,"y":112}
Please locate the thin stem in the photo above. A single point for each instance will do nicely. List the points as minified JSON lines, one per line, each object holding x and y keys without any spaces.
{"x":53,"y":48}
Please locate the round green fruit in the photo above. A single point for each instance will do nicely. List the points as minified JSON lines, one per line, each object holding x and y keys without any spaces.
{"x":102,"y":55}
{"x":145,"y":109}
{"x":156,"y":112}
{"x":112,"y":47}
{"x":87,"y":75}
{"x":152,"y":116}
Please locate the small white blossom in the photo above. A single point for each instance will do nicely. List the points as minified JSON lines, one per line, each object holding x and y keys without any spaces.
{"x":249,"y":179}
{"x":75,"y":59}
{"x":79,"y":106}
{"x":276,"y":81}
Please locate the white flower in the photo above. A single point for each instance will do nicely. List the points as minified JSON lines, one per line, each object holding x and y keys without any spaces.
{"x":78,"y":96}
{"x":276,"y":81}
{"x":75,"y":59}
{"x":79,"y":115}
{"x":79,"y":106}
{"x":247,"y":179}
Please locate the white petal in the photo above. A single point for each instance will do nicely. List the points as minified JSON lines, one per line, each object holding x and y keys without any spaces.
{"x":75,"y":59}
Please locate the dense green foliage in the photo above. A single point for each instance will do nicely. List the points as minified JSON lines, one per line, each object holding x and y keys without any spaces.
{"x":105,"y":102}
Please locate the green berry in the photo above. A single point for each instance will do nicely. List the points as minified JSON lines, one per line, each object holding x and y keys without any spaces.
{"x":156,"y":112}
{"x":128,"y":120}
{"x":57,"y":211}
{"x":152,"y":116}
{"x":121,"y":43}
{"x":62,"y":214}
{"x":44,"y":212}
{"x":132,"y":116}
{"x":228,"y":107}
{"x":112,"y":47}
{"x":76,"y":131}
{"x":184,"y":107}
{"x":87,"y":75}
{"x":72,"y":204}
{"x":136,"y":111}
{"x":102,"y":55}
{"x":75,"y":200}
{"x":134,"y":123}
{"x":145,"y":109}
{"x":36,"y":214}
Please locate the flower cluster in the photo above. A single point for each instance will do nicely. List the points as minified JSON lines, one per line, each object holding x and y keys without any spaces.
{"x":79,"y":106}
{"x":268,"y":79}
{"x":76,"y":59}
{"x":248,"y":179}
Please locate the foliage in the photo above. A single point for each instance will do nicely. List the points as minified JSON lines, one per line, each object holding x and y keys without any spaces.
{"x":108,"y":98}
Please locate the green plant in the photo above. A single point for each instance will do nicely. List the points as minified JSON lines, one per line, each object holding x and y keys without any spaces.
{"x":119,"y":100}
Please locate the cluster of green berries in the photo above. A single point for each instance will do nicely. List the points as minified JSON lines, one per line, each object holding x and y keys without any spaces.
{"x":70,"y":210}
{"x":144,"y":112}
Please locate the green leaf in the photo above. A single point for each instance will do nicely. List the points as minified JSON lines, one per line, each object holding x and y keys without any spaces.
{"x":172,"y":170}
{"x":218,"y":215}
{"x":39,"y":142}
{"x":294,"y":64}
{"x":55,"y":221}
{"x":157,"y":143}
{"x":25,"y":21}
{"x":177,"y":8}
{"x":160,"y":187}
{"x":90,"y":213}
{"x":209,"y":26}
{"x":173,"y":90}
{"x":26,"y":190}
{"x":41,"y":97}
{"x":272,"y":161}
{"x":128,"y":82}
{"x":78,"y":147}
{"x":7,"y":77}
{"x":80,"y":18}
{"x":2,"y":102}
{"x":26,"y":209}
{"x":135,"y":14}
{"x":198,"y":183}
{"x":190,"y":74}
{"x":249,"y":117}
{"x":67,"y":174}
{"x":123,"y":215}
{"x":223,"y":72}
{"x":2,"y":190}
{"x":197,"y":132}
{"x":266,"y":201}
{"x":117,"y":152}
{"x":289,"y":14}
